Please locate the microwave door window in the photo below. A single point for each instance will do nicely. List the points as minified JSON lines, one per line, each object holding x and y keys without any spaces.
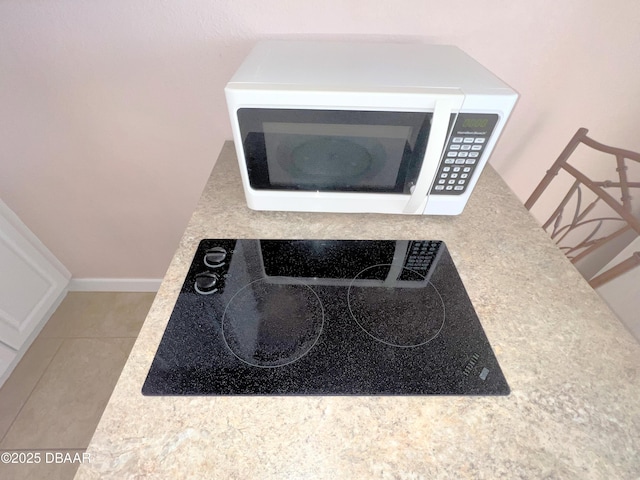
{"x":342,"y":153}
{"x":333,"y":156}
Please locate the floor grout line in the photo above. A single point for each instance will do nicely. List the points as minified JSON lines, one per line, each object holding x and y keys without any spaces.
{"x":35,"y":385}
{"x":73,"y":313}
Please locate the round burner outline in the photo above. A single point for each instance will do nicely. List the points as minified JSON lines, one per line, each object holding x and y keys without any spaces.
{"x":318,"y":329}
{"x":382,"y":340}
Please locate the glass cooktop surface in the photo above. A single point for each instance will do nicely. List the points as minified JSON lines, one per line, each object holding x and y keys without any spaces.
{"x":324,"y":317}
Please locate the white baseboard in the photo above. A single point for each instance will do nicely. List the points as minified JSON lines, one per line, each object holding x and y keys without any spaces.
{"x":114,"y":284}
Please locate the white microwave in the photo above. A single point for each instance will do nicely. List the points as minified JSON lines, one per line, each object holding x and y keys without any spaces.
{"x":363,"y":127}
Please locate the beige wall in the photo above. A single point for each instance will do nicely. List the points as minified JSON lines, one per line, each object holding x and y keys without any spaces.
{"x":112,"y":113}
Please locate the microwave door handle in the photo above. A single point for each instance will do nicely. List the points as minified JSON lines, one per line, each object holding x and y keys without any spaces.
{"x":435,"y":145}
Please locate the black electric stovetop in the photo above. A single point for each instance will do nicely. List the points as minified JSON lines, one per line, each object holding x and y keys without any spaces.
{"x":324,"y":317}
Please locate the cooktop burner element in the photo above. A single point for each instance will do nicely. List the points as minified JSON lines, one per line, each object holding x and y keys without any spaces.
{"x":323,"y":317}
{"x":271,"y":325}
{"x":400,"y":317}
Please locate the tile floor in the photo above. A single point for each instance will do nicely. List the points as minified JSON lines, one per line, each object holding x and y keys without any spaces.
{"x":53,"y":400}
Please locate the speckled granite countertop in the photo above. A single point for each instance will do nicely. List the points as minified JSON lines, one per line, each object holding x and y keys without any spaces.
{"x":574,"y":371}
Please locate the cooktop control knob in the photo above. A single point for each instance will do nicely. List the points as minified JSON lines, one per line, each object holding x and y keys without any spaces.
{"x":206,"y":283}
{"x":215,"y":257}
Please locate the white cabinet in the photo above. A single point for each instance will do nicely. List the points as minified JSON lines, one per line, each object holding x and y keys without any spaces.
{"x":32,"y":284}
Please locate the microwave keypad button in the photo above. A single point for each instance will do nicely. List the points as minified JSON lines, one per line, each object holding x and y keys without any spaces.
{"x":452,"y":180}
{"x":460,"y":159}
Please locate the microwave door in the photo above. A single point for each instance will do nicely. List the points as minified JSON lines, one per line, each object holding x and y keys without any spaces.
{"x":435,"y":146}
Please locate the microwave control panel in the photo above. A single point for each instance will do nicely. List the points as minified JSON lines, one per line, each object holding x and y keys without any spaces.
{"x":467,"y":142}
